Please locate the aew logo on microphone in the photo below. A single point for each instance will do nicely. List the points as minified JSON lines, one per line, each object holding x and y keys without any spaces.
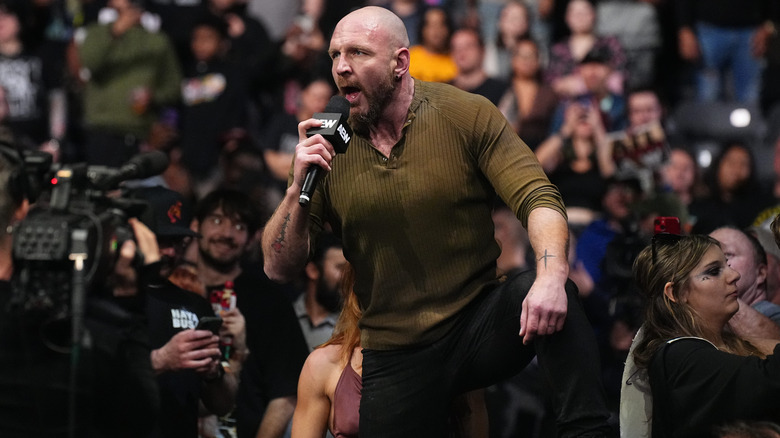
{"x":343,"y":132}
{"x":334,"y":129}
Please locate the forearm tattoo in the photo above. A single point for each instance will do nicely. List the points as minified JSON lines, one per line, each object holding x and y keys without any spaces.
{"x":279,"y":242}
{"x":545,"y":257}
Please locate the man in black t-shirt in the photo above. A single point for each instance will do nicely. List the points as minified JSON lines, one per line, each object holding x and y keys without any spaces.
{"x":226,"y":221}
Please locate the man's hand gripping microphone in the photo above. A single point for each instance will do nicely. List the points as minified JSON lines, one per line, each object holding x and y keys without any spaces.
{"x":335,"y":129}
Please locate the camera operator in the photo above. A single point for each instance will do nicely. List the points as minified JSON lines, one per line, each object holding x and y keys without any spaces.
{"x":101,"y":386}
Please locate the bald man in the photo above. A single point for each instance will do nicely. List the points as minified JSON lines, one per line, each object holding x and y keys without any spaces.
{"x":411,"y":200}
{"x":746,"y":256}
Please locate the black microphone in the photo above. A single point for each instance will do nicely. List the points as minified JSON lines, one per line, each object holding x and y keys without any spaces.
{"x":139,"y":167}
{"x":335,"y":129}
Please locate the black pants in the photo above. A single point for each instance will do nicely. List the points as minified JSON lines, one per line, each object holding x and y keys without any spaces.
{"x":407,"y":392}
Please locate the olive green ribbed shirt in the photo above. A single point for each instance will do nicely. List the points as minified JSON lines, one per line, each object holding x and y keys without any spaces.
{"x":417,"y":226}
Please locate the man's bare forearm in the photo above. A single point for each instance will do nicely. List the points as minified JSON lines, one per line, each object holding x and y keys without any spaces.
{"x":548,"y":234}
{"x":750,"y":323}
{"x":276,"y":418}
{"x":286,"y":239}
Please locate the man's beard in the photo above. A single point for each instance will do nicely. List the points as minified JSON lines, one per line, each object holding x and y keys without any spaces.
{"x":377,"y":102}
{"x":328,"y":297}
{"x":221,"y":265}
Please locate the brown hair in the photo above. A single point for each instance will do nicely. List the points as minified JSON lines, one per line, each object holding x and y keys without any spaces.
{"x":346,"y":333}
{"x":666,"y":319}
{"x":775,"y":226}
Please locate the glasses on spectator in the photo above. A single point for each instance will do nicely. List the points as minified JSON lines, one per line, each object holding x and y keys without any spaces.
{"x":663,"y":239}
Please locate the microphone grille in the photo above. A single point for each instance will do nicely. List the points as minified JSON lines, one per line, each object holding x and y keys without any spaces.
{"x":338,"y":104}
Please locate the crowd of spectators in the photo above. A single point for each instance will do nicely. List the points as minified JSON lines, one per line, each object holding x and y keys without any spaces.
{"x":635,"y":109}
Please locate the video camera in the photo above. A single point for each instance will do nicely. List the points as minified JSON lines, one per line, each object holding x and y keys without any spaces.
{"x":66,"y":247}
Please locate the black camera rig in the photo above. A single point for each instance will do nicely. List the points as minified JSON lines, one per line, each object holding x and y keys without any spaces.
{"x":68,"y":244}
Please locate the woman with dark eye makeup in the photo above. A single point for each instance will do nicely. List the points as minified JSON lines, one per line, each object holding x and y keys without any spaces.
{"x":701,"y":373}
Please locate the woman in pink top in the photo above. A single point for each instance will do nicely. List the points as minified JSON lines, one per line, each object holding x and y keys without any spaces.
{"x":330,"y":384}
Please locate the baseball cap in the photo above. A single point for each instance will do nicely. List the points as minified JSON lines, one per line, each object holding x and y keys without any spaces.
{"x":168,"y":213}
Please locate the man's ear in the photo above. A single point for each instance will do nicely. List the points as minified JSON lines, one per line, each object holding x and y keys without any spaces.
{"x":669,"y":291}
{"x":401,"y":62}
{"x":312,"y":272}
{"x":761,"y":277}
{"x":194,"y":225}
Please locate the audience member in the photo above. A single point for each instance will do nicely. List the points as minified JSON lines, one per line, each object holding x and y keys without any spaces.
{"x":594,"y":70}
{"x":725,"y":36}
{"x":642,"y":148}
{"x":620,"y":195}
{"x":680,"y":175}
{"x":566,"y":55}
{"x":282,"y":133}
{"x":762,"y":232}
{"x":468,"y":51}
{"x":431,"y":58}
{"x":214,"y":102}
{"x":644,"y":107}
{"x":746,"y":255}
{"x":529,"y":104}
{"x":319,"y":305}
{"x":302,"y":56}
{"x":578,"y":160}
{"x":121,"y":103}
{"x":33,"y":85}
{"x":700,"y":374}
{"x":186,"y":360}
{"x":735,"y":195}
{"x":227,"y":221}
{"x":249,"y":44}
{"x":514,"y":24}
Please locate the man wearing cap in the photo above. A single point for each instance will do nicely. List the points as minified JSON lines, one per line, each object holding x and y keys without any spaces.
{"x":187,"y":361}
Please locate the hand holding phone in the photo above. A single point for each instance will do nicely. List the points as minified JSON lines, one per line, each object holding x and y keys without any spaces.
{"x":211,"y":323}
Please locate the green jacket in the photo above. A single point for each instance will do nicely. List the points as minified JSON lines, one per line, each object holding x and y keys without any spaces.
{"x":115,"y":67}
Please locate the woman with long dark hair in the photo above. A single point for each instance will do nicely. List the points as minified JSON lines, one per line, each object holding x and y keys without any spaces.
{"x":701,"y":373}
